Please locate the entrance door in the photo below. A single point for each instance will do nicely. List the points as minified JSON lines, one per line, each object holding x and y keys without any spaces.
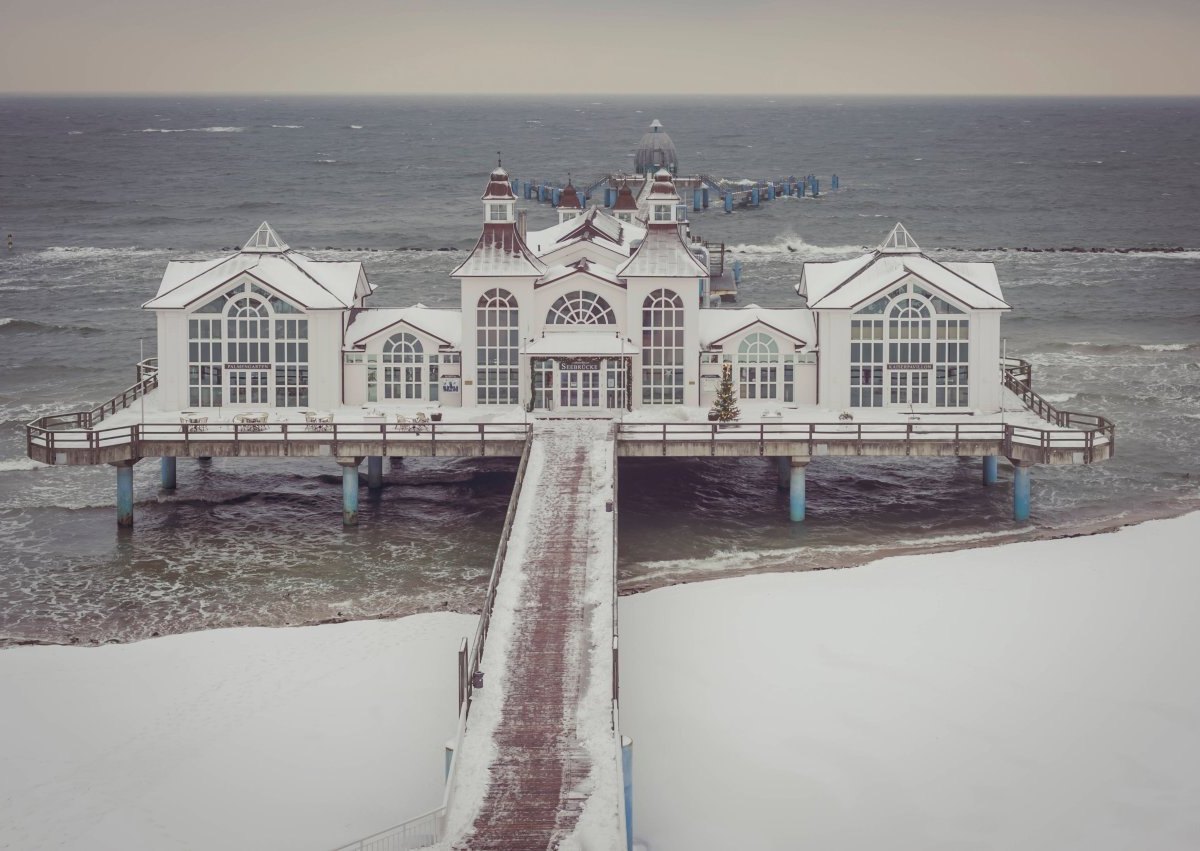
{"x":910,"y":387}
{"x":579,"y":389}
{"x":248,"y":386}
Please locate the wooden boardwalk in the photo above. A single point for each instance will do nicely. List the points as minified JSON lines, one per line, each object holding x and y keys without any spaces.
{"x":554,"y":680}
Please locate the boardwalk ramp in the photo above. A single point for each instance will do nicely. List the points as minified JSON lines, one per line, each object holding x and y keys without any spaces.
{"x":539,"y":763}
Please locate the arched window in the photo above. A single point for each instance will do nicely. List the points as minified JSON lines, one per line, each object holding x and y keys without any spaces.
{"x":909,"y":356}
{"x":248,"y":351}
{"x":662,"y":348}
{"x":758,"y":367}
{"x":581,"y":308}
{"x":497,"y":349}
{"x":403,"y":367}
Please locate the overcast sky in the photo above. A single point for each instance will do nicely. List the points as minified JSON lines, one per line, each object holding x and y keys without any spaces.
{"x":1023,"y":47}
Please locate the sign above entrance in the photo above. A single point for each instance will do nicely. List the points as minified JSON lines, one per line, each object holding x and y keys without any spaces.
{"x":910,"y":366}
{"x":578,"y":364}
{"x":247,"y":366}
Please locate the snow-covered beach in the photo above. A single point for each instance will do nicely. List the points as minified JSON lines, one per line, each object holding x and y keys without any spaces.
{"x":1033,"y":695}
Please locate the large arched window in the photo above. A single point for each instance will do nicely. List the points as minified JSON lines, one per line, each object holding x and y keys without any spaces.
{"x":923,"y":335}
{"x":758,"y":367}
{"x":662,"y":348}
{"x":581,"y":308}
{"x":248,"y":351}
{"x":497,"y":349}
{"x":403,"y":367}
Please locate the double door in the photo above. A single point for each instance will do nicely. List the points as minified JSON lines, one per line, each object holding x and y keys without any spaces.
{"x":579,"y":389}
{"x":909,"y":386}
{"x":248,"y":386}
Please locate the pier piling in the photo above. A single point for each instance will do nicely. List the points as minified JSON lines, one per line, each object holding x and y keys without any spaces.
{"x":783,"y":467}
{"x":728,"y":202}
{"x":350,"y":490}
{"x":375,"y":472}
{"x":1020,"y":491}
{"x":991,"y":467}
{"x":125,"y":494}
{"x":627,"y":771}
{"x":696,"y":200}
{"x":796,"y":495}
{"x":168,"y":472}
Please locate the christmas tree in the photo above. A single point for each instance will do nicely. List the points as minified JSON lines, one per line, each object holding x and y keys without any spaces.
{"x":725,"y":407}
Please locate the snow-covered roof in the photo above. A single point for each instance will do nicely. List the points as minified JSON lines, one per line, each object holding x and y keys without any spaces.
{"x":625,"y":199}
{"x":313,"y":284}
{"x":718,"y":324}
{"x":441,"y":323}
{"x":580,"y":267}
{"x":500,"y":252}
{"x":581,"y":343}
{"x":663,"y":254}
{"x":655,"y":149}
{"x":844,"y":284}
{"x":595,"y":227}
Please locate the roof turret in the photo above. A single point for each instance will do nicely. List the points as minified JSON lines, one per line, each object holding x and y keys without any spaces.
{"x":569,"y":199}
{"x":265,"y":240}
{"x":498,"y":188}
{"x":899,"y":241}
{"x":625,"y":199}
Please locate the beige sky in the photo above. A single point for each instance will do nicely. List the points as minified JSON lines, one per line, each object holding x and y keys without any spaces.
{"x":1079,"y":47}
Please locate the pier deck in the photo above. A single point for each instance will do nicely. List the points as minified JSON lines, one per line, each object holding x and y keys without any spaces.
{"x":540,"y":760}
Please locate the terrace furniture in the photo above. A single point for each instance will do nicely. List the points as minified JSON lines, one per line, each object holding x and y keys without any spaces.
{"x":256,"y":421}
{"x":318,"y":421}
{"x":193,"y":422}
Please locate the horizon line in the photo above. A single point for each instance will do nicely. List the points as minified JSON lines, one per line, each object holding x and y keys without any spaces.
{"x":623,"y":95}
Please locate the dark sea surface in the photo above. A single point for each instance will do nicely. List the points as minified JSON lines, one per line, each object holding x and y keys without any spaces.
{"x":99,"y":193}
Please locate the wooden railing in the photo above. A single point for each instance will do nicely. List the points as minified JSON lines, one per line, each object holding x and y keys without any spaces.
{"x":1018,"y":377}
{"x":49,"y":435}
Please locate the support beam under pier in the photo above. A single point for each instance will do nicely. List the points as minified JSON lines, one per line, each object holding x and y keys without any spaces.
{"x":991,"y":469}
{"x":796,"y":493}
{"x":168,"y":472}
{"x":784,"y":465}
{"x":1020,"y":491}
{"x":349,"y":490}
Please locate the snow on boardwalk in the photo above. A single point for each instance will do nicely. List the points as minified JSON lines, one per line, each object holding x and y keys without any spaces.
{"x":539,"y":765}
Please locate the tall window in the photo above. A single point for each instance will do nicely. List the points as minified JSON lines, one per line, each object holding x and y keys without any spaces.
{"x":581,"y":308}
{"x":662,"y":348}
{"x":866,"y":363}
{"x":758,"y":370}
{"x":909,"y":332}
{"x":403,"y":367}
{"x":951,"y":390}
{"x":497,"y":353}
{"x":291,"y":363}
{"x":204,"y":362}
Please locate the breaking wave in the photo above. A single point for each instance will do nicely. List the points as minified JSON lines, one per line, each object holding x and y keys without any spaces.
{"x":26,"y":326}
{"x":288,"y":126}
{"x":1086,"y":346}
{"x":11,"y":464}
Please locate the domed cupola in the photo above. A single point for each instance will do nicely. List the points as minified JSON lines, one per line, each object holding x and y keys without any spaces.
{"x":655,"y":151}
{"x":569,"y":205}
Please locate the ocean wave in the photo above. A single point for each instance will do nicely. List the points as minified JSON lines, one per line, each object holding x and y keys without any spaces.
{"x":1088,"y":347}
{"x":356,"y":127}
{"x":325,"y":162}
{"x":74,"y":132}
{"x":27,"y":326}
{"x":794,"y":245}
{"x":194,"y":130}
{"x":288,"y":126}
{"x":11,"y":464}
{"x":89,"y":252}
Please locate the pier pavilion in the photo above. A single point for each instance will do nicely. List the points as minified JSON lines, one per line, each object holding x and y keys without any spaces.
{"x":590,"y":340}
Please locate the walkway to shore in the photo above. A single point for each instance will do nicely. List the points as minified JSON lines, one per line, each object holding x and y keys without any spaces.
{"x":539,"y":759}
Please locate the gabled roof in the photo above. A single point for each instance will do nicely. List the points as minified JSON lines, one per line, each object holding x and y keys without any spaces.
{"x":597,"y":224}
{"x":595,"y":227}
{"x":312,"y":284}
{"x":845,"y":284}
{"x":581,"y":267}
{"x":569,"y":198}
{"x":625,"y":199}
{"x":795,"y":323}
{"x":442,"y":324}
{"x":663,"y":254}
{"x":500,"y":253}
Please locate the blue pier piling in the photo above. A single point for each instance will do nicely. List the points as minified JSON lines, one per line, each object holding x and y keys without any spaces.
{"x":704,"y":191}
{"x":168,"y":472}
{"x":754,"y":197}
{"x":816,"y":187}
{"x":1020,"y":491}
{"x":796,"y":491}
{"x":557,"y":196}
{"x":541,"y":190}
{"x":375,"y":472}
{"x":525,"y":189}
{"x":770,"y":191}
{"x":834,"y":183}
{"x":737,"y":272}
{"x":627,"y":772}
{"x":728,"y":202}
{"x":125,"y":495}
{"x":513,"y":185}
{"x":350,"y":490}
{"x":696,"y":200}
{"x":800,"y":188}
{"x":783,"y":465}
{"x":991,"y":469}
{"x":610,"y":196}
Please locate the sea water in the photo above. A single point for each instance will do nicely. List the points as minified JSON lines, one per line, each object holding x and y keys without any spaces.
{"x":99,"y":193}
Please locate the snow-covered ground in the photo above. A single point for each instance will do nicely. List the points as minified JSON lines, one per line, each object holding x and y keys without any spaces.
{"x":1038,"y":695}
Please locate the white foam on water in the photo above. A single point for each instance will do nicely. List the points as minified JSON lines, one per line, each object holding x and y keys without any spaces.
{"x":1058,"y":398}
{"x":1168,"y":347}
{"x":74,"y":132}
{"x":356,"y":127}
{"x":796,"y":247}
{"x":288,"y":126}
{"x":194,"y":130}
{"x":12,"y":464}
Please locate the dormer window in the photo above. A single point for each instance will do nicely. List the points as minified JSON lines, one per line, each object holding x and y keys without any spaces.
{"x":662,"y":212}
{"x":497,"y":212}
